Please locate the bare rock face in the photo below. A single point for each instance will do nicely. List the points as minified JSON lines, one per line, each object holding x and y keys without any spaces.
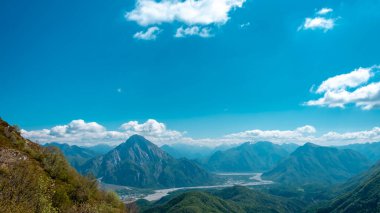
{"x":11,"y":156}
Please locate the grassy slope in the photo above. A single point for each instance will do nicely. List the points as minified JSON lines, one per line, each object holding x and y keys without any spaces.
{"x":38,"y":179}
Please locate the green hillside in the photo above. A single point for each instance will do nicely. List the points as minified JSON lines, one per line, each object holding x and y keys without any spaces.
{"x":313,"y":164}
{"x":365,"y":196}
{"x":75,"y":155}
{"x":232,"y":199}
{"x":38,"y":179}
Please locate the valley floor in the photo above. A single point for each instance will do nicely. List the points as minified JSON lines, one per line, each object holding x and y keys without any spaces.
{"x":129,"y":194}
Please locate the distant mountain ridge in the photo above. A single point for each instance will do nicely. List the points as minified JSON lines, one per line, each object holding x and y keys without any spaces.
{"x":248,"y":157}
{"x":99,"y":148}
{"x":140,"y":163}
{"x":313,"y":164}
{"x":75,"y":155}
{"x":370,"y":150}
{"x":181,"y":150}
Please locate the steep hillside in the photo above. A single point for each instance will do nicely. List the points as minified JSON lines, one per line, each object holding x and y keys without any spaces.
{"x":312,"y":164}
{"x":365,"y":196}
{"x":76,"y":155}
{"x":248,"y":157}
{"x":140,"y":163}
{"x":38,"y":179}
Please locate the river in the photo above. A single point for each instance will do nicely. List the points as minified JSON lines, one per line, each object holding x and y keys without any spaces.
{"x":254,"y":177}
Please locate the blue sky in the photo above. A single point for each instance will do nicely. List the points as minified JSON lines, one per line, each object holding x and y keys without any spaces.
{"x":251,"y":65}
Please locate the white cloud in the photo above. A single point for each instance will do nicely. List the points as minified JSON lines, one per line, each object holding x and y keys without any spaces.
{"x":324,"y":11}
{"x":151,"y":129}
{"x":84,"y":133}
{"x":349,"y":80}
{"x":299,"y":135}
{"x":318,"y":23}
{"x":334,"y":138}
{"x":150,"y":34}
{"x":81,"y":133}
{"x":193,"y":31}
{"x":306,"y":129}
{"x":351,"y":88}
{"x":200,"y":12}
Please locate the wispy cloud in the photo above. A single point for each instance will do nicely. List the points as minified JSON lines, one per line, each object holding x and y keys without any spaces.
{"x":324,"y":11}
{"x":354,"y":87}
{"x":150,"y":34}
{"x":193,"y":31}
{"x":245,"y":25}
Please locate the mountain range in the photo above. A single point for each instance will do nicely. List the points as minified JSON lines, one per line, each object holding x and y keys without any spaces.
{"x":36,"y":178}
{"x":248,"y":157}
{"x":370,"y":150}
{"x":140,"y":163}
{"x":181,"y":150}
{"x":313,"y":164}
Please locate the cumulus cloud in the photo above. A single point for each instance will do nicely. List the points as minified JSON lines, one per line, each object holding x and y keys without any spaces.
{"x":152,"y":129}
{"x":306,"y":129}
{"x":335,"y":138}
{"x":351,"y":88}
{"x":319,"y":22}
{"x":84,"y":133}
{"x":201,"y":12}
{"x":193,"y":31}
{"x":349,"y":80}
{"x":299,"y":135}
{"x":324,"y":11}
{"x":150,"y":34}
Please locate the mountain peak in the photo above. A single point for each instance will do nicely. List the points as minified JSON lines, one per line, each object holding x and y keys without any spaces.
{"x":136,"y":138}
{"x":140,"y":163}
{"x":309,"y":144}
